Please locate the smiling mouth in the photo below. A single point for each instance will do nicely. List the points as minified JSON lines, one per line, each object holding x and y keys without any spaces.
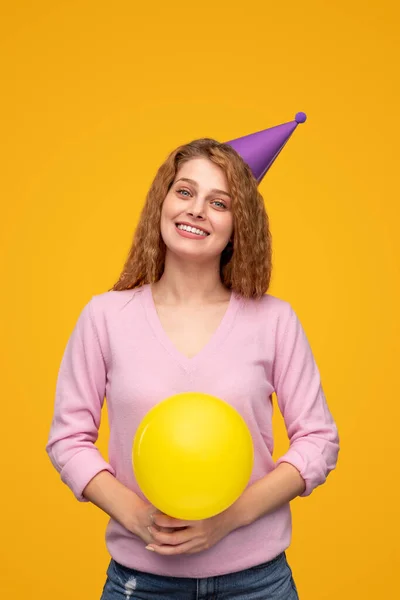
{"x":189,"y":229}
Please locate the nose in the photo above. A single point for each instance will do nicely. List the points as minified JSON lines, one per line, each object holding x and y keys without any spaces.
{"x":196,"y":209}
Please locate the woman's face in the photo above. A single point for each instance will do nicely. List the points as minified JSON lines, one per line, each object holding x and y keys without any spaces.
{"x":198,"y":198}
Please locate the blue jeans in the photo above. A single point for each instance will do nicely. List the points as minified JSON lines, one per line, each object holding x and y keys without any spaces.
{"x":269,"y":581}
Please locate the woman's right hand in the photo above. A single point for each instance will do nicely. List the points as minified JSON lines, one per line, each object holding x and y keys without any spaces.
{"x":123,"y":505}
{"x":140,"y":519}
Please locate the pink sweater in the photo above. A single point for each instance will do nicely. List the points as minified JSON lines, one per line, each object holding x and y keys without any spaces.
{"x":119,"y":350}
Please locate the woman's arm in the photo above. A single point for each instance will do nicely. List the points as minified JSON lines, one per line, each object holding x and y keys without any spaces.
{"x":312,"y":431}
{"x":80,"y":393}
{"x":75,"y":426}
{"x":267,"y":494}
{"x":111,"y":496}
{"x":120,"y":503}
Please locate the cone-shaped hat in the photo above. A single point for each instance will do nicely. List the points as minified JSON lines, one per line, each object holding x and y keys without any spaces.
{"x":259,"y":150}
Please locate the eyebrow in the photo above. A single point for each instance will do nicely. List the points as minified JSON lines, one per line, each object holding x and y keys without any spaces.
{"x":196,"y":185}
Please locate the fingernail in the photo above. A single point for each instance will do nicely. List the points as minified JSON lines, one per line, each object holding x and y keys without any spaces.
{"x":150,"y":548}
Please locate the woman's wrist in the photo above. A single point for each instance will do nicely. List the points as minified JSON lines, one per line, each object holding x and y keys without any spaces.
{"x":240,"y":513}
{"x":268,"y":494}
{"x":115,"y":499}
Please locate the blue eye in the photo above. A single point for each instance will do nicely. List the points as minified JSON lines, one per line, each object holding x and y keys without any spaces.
{"x":221,"y":203}
{"x":187,"y":192}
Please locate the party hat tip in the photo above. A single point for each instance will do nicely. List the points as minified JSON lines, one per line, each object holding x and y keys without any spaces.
{"x":300,"y":117}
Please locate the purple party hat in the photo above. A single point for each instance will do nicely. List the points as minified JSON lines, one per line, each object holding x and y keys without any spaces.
{"x":260,"y":149}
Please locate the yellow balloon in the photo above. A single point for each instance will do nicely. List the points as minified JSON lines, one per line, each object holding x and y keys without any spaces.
{"x":192,"y":456}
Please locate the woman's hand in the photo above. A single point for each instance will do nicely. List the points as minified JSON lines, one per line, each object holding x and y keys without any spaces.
{"x":121,"y":504}
{"x":171,"y":536}
{"x":140,"y":518}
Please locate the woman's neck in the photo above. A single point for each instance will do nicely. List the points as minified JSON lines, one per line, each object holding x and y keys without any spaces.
{"x":190,"y":284}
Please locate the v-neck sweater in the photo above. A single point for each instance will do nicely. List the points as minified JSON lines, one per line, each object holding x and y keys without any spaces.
{"x":119,"y":351}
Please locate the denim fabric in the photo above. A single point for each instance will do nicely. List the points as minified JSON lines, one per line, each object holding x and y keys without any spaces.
{"x":268,"y":581}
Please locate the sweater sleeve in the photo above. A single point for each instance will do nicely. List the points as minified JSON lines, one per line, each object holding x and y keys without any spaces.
{"x":312,"y":432}
{"x":79,"y":398}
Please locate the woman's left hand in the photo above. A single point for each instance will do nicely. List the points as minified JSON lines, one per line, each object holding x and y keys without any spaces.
{"x":189,"y":537}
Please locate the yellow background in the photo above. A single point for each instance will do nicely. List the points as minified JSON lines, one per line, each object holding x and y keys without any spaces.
{"x":94,"y":96}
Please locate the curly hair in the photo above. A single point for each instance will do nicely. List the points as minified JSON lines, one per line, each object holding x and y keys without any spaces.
{"x":246,"y":262}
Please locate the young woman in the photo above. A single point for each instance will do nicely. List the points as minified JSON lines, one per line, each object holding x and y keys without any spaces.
{"x":191,"y":312}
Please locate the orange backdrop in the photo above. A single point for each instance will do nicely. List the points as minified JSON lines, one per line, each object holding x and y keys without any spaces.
{"x":94,"y":96}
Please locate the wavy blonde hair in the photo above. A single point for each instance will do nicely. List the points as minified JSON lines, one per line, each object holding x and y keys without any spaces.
{"x":246,"y":262}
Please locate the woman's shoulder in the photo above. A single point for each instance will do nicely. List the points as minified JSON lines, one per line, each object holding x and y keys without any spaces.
{"x":269,"y":313}
{"x":271,"y":304}
{"x":112,"y":301}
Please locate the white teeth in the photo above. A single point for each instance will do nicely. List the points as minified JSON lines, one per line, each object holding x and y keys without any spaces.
{"x":192,"y":230}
